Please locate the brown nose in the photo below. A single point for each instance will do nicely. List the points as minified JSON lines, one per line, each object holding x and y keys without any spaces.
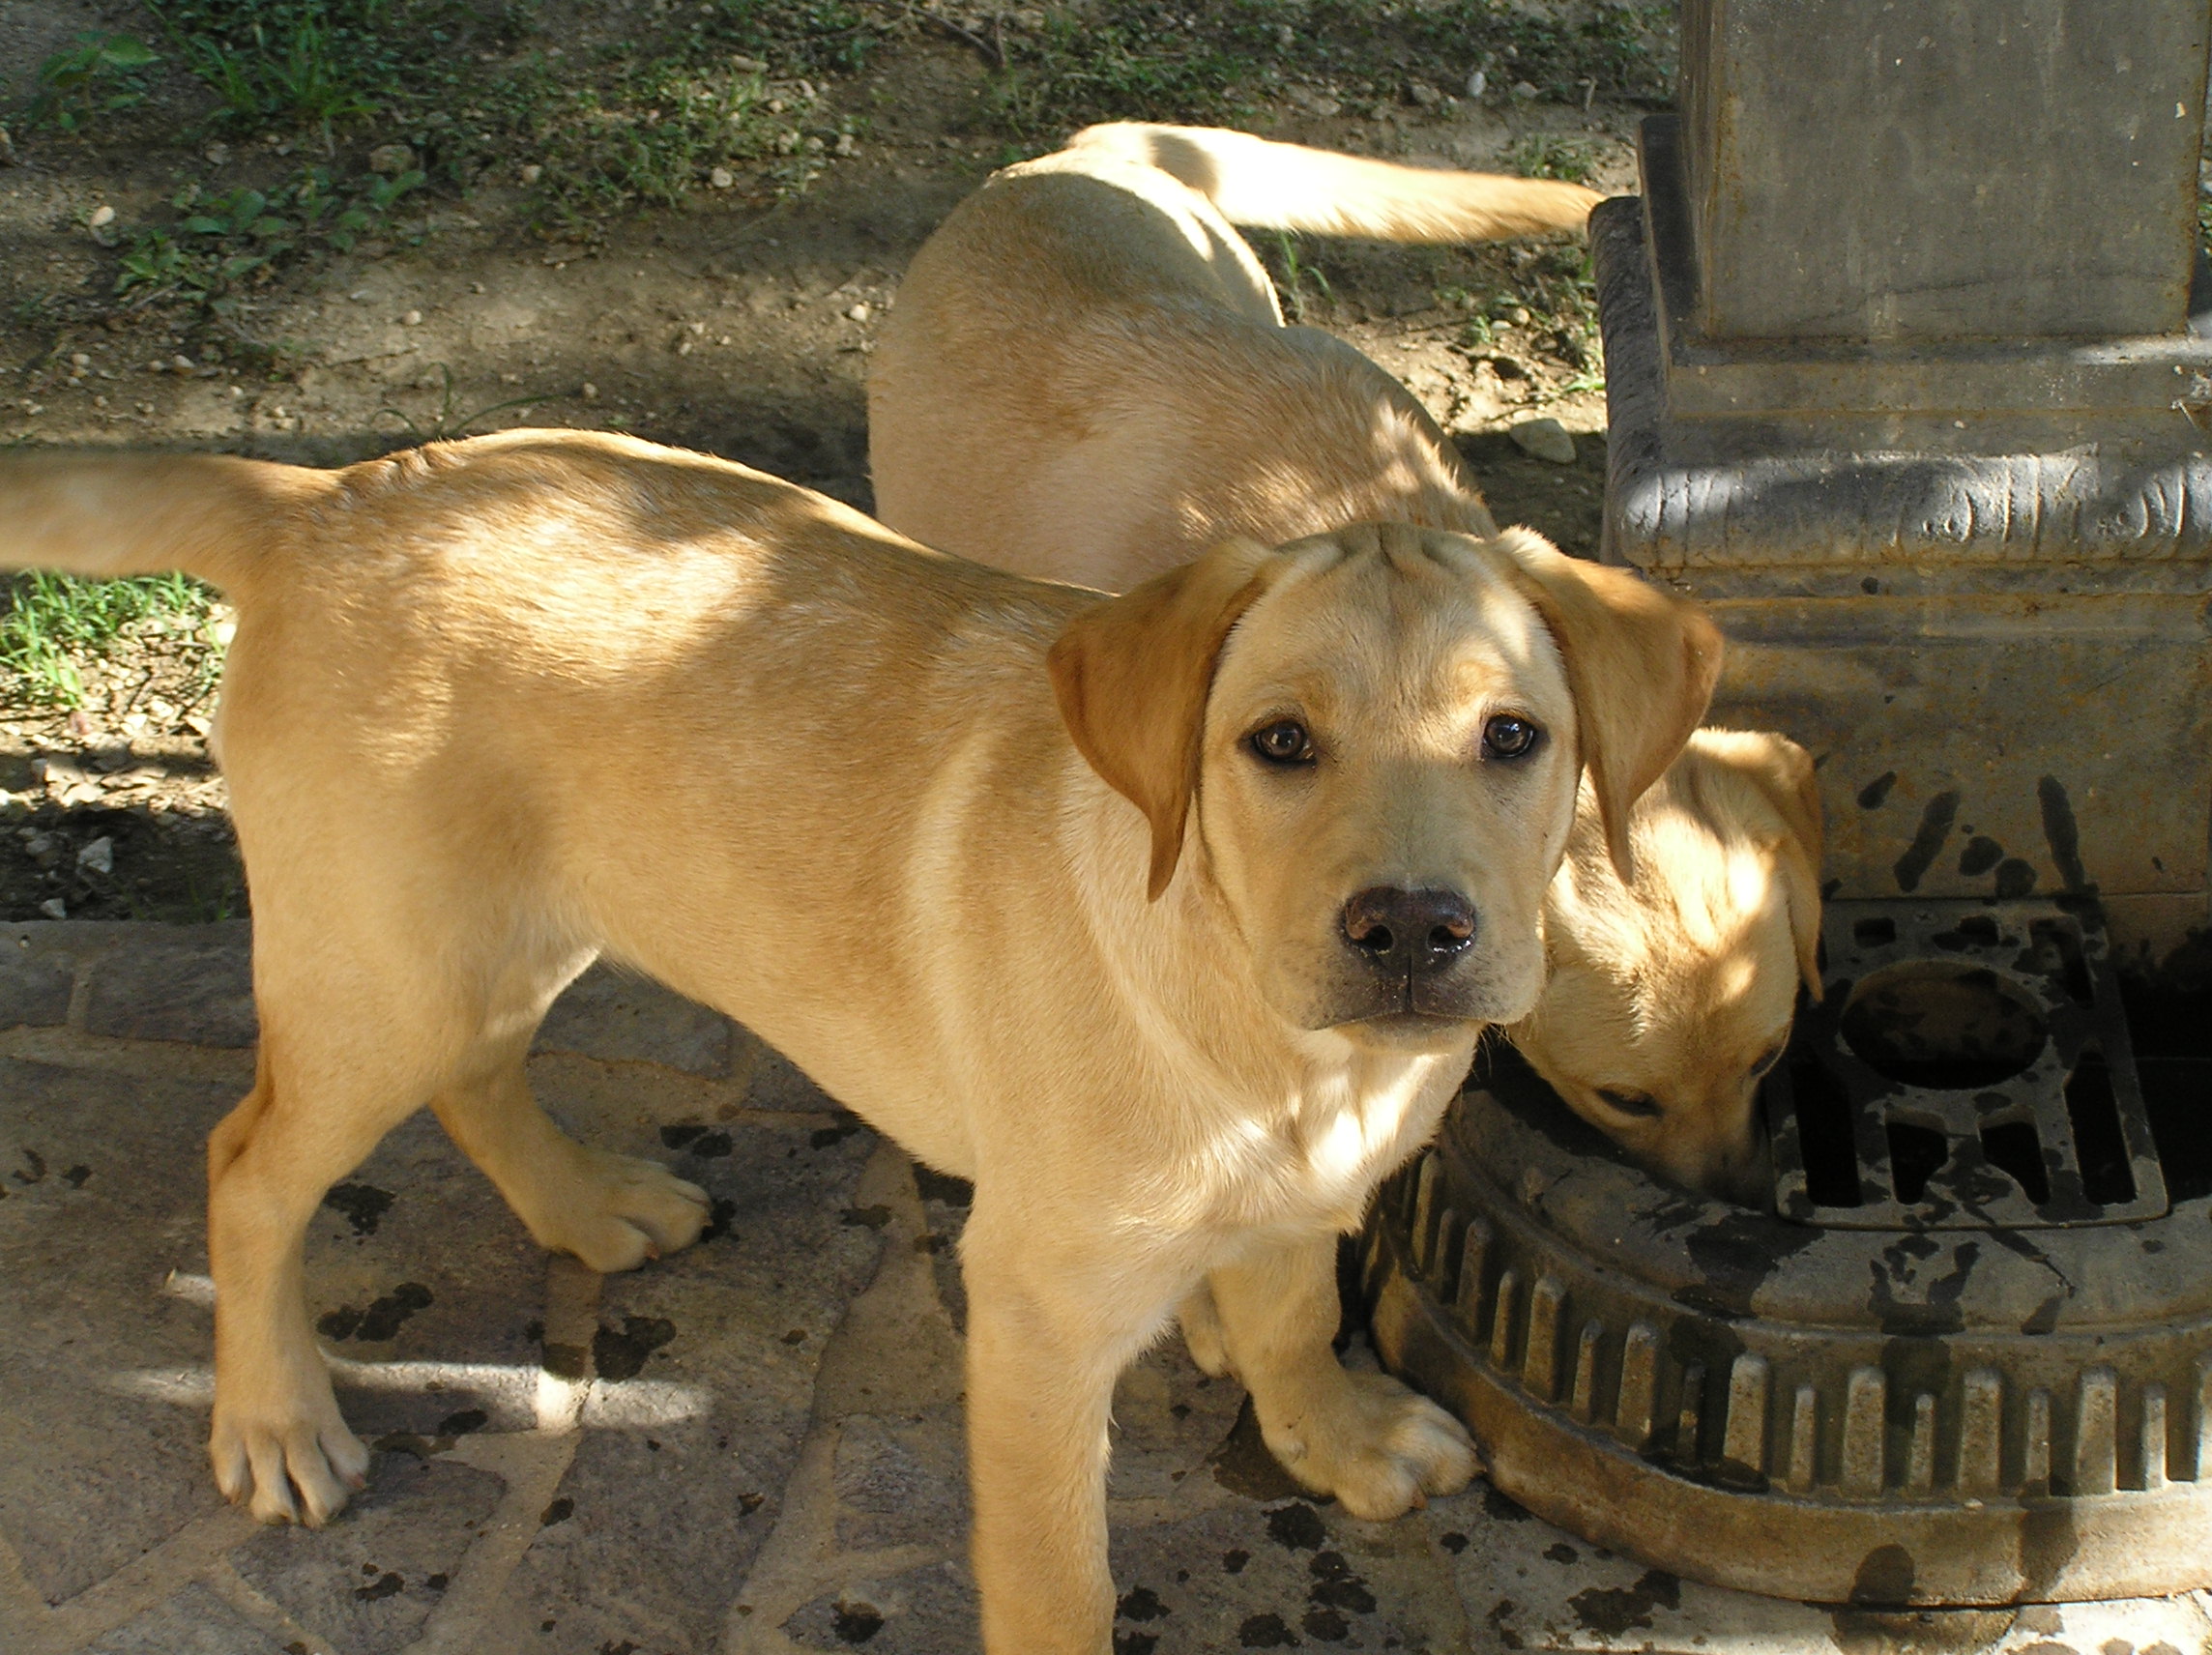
{"x":1403,"y":933}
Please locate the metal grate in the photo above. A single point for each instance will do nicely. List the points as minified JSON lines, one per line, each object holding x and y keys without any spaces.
{"x":1967,"y":1068}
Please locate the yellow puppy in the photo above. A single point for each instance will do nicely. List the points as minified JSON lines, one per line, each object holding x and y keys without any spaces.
{"x":1170,"y":919}
{"x":1086,"y":377}
{"x":1671,"y":994}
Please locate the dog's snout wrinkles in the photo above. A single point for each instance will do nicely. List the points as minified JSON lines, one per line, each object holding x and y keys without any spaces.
{"x":1402,"y":932}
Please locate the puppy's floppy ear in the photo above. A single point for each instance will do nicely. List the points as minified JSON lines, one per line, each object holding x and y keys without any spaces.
{"x":1642,"y":664}
{"x":1783,"y":771}
{"x":1132,"y":676}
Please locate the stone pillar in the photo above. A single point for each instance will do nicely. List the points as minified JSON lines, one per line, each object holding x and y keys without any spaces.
{"x":1909,"y":353}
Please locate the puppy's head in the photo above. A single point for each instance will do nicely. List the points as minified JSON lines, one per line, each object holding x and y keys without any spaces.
{"x":1672,"y":992}
{"x":1368,"y":744}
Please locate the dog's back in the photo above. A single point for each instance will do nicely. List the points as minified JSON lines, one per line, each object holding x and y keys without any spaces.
{"x":1096,"y":355}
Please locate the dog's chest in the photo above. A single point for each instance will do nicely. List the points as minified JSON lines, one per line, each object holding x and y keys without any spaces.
{"x":1345,"y":1132}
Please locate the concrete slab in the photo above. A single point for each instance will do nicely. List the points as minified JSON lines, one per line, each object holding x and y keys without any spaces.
{"x":754,"y":1447}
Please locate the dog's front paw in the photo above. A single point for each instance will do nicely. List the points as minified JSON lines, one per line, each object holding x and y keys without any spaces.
{"x":296,"y":1463}
{"x":625,"y":1212}
{"x":1378,"y":1448}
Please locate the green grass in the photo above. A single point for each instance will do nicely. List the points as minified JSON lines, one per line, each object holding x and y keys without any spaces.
{"x":1547,"y":154}
{"x":222,"y":242}
{"x":478,"y":91}
{"x":51,"y":625}
{"x":474,"y":87}
{"x":1151,"y":60}
{"x":102,"y":73}
{"x":475,"y":93}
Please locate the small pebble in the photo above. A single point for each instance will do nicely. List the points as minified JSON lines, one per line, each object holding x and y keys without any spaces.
{"x":99,"y":856}
{"x":413,"y":319}
{"x":532,"y":173}
{"x":53,"y":908}
{"x":102,"y":216}
{"x":857,"y":313}
{"x":590,"y":392}
{"x":391,"y":160}
{"x":721,"y":178}
{"x":1545,"y":440}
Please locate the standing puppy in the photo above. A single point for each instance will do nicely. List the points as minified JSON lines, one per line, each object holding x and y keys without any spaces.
{"x":1087,"y":377}
{"x":1170,"y":919}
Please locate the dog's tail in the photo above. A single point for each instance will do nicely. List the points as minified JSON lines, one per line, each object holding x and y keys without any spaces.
{"x":1288,"y":187}
{"x":109,"y":515}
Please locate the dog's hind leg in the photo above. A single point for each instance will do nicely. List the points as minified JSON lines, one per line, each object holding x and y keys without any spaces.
{"x":1363,"y":1437}
{"x":317,"y":1108}
{"x":612,"y":1211}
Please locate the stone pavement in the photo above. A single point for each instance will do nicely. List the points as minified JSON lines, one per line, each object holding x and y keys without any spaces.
{"x":752,"y":1447}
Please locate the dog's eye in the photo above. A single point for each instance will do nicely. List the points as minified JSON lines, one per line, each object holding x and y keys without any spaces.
{"x":1509,"y":735}
{"x":1628,"y":1103}
{"x":1282,"y":742}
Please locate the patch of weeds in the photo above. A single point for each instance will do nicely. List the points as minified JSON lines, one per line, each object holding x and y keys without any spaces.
{"x":220,"y":240}
{"x":650,"y":127}
{"x":643,"y":120}
{"x":1125,"y":59}
{"x":51,"y":622}
{"x":1547,"y":154}
{"x":444,"y":425}
{"x":303,"y":63}
{"x":791,"y":37}
{"x":1302,"y":286}
{"x":1153,"y":60}
{"x":648,"y":135}
{"x":36,"y":310}
{"x":1560,"y":287}
{"x":101,"y":74}
{"x":227,"y":900}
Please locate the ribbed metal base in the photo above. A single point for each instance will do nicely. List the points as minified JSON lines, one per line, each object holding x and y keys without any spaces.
{"x":1574,"y":1464}
{"x":1904,"y":1416}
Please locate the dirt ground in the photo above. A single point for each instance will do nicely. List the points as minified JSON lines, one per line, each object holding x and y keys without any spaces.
{"x":739,"y":322}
